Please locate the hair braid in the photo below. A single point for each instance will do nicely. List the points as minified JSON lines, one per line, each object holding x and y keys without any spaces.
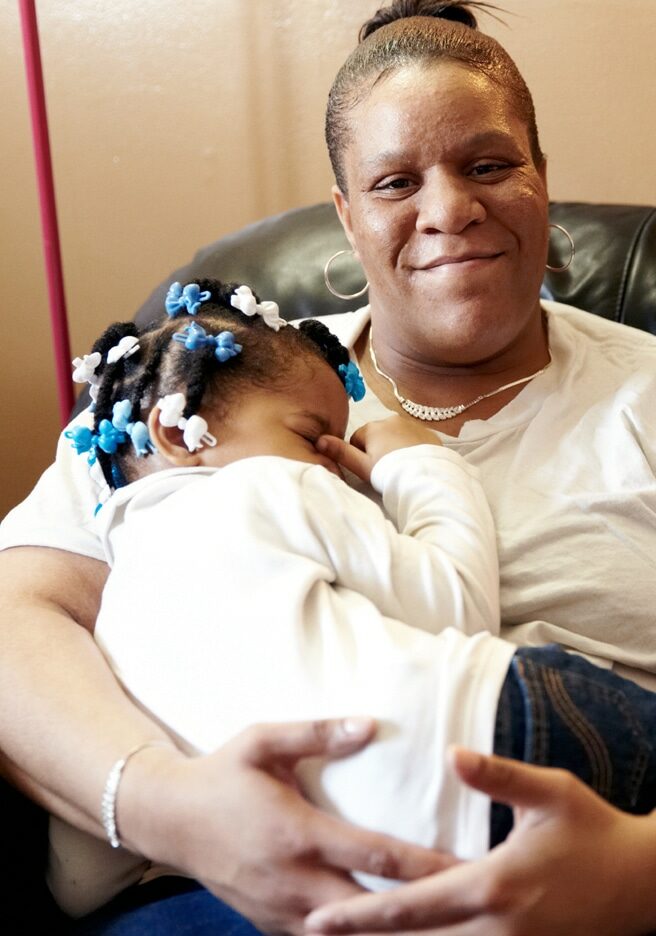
{"x":200,"y":370}
{"x":111,"y":375}
{"x":330,"y":346}
{"x":150,"y":372}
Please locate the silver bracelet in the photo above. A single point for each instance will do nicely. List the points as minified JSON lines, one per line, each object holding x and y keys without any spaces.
{"x":108,"y":802}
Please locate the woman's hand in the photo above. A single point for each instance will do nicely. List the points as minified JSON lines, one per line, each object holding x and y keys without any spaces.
{"x":236,"y":821}
{"x":370,"y":442}
{"x":573,"y":865}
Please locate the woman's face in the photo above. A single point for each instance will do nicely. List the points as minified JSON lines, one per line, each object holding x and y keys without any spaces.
{"x":447,"y":213}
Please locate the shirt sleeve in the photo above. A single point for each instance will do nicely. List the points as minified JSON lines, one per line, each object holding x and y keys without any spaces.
{"x":436,"y":566}
{"x":59,"y":511}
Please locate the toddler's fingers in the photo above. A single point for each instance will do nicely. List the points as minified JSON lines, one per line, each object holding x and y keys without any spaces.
{"x":345,"y":455}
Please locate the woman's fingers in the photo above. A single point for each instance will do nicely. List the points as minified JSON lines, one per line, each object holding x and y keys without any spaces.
{"x":512,"y":782}
{"x":264,"y":745}
{"x":334,"y":843}
{"x":440,"y":900}
{"x":341,"y":845}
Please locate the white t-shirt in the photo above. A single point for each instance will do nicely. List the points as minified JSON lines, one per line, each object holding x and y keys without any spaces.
{"x":569,"y":471}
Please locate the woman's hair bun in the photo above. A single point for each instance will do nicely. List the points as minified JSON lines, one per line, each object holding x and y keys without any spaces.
{"x":458,"y":11}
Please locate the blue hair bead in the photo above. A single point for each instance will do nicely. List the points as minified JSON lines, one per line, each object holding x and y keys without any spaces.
{"x":140,"y":439}
{"x":122,"y":424}
{"x":352,"y":380}
{"x":189,"y":298}
{"x":83,"y":440}
{"x":192,"y":337}
{"x":109,"y":437}
{"x":226,"y":346}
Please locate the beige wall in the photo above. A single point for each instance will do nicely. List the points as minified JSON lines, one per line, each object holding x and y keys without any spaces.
{"x":174,"y":123}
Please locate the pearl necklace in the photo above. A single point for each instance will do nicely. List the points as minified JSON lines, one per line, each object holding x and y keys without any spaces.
{"x":440,"y":413}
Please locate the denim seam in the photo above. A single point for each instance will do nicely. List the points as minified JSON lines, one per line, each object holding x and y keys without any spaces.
{"x":535,"y":719}
{"x":588,"y":736}
{"x":635,"y":777}
{"x":641,"y":761}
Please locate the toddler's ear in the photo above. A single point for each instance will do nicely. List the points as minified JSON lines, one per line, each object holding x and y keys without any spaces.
{"x":169,"y":443}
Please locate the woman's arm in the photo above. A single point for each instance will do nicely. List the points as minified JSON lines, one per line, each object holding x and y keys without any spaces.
{"x":232,"y":819}
{"x":55,"y":688}
{"x":572,"y":865}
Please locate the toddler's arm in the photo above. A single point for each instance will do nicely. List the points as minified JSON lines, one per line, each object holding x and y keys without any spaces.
{"x":439,"y":567}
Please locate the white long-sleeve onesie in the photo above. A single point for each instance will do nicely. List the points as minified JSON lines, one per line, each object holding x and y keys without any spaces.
{"x":269,"y":590}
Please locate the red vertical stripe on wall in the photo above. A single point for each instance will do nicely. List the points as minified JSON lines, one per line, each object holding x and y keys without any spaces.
{"x":49,"y":227}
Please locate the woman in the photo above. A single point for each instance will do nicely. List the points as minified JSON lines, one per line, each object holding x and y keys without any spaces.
{"x":441,"y":189}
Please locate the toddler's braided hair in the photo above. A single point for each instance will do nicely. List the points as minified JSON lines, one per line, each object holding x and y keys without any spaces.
{"x":162,"y":366}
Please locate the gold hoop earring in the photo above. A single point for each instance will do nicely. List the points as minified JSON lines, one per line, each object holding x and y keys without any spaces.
{"x":330,"y":286}
{"x":572,"y":249}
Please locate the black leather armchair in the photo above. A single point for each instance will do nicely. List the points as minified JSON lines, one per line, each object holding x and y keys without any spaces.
{"x":613,"y":275}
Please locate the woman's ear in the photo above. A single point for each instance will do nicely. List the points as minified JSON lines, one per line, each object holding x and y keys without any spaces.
{"x":168,"y":442}
{"x":344,"y":215}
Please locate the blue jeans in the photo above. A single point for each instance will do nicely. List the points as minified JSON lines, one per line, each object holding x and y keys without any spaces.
{"x":555,"y":709}
{"x":166,"y":907}
{"x":558,"y":710}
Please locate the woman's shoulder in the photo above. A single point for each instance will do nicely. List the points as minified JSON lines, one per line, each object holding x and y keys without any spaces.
{"x":588,"y":326}
{"x":58,"y":512}
{"x":600,"y":360}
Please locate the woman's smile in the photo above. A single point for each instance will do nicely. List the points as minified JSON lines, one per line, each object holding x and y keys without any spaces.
{"x":458,"y":263}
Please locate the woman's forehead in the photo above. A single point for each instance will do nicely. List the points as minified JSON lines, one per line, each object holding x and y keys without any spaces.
{"x":433,"y":86}
{"x":417,"y":100}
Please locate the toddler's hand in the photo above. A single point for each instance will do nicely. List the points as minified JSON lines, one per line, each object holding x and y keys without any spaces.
{"x":373,"y":440}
